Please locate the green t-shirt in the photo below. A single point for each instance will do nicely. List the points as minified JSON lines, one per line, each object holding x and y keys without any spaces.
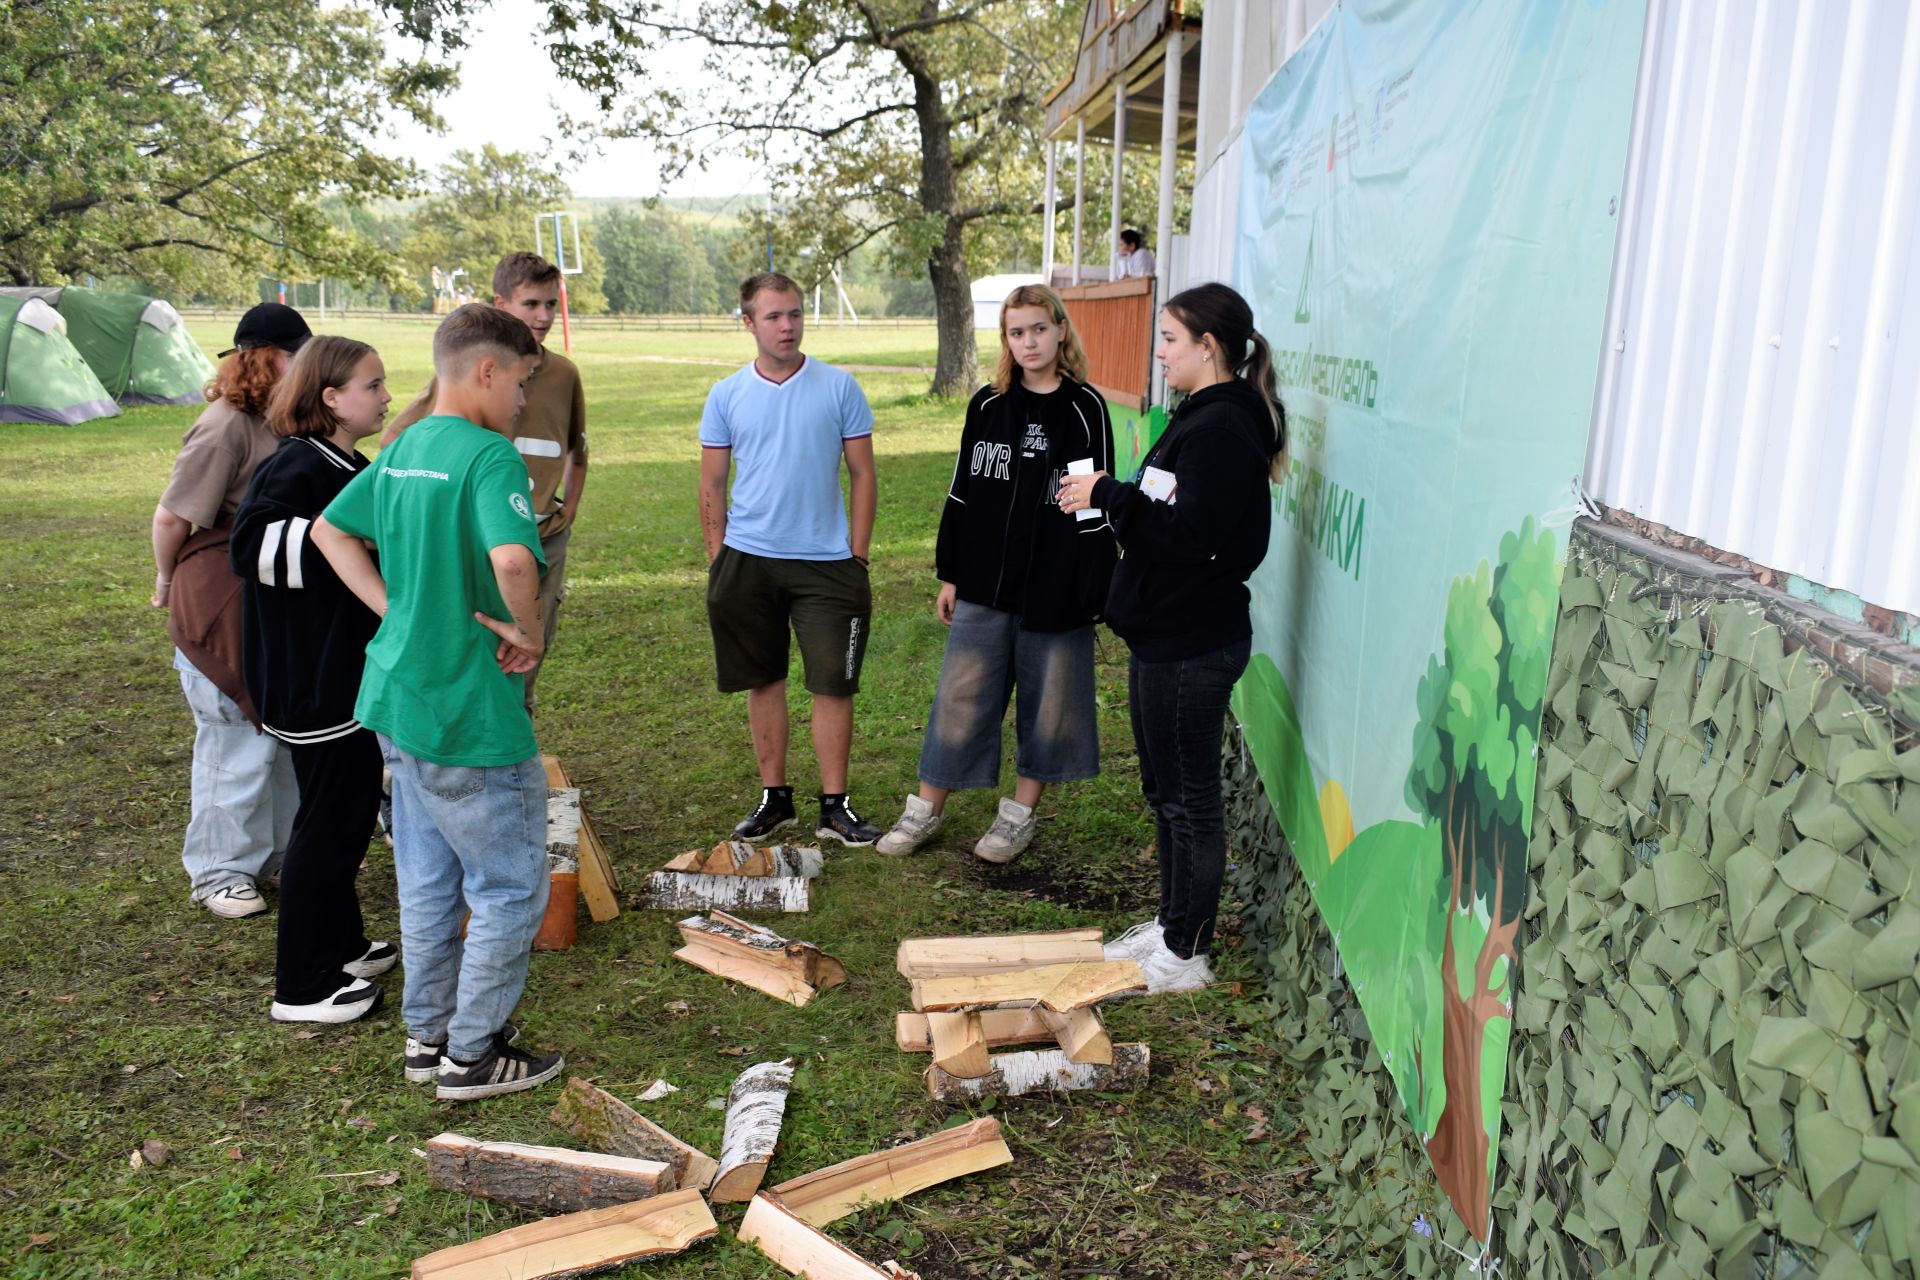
{"x":435,"y":502}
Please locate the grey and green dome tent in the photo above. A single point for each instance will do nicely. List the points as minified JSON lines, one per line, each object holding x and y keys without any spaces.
{"x":138,"y":347}
{"x":42,"y":378}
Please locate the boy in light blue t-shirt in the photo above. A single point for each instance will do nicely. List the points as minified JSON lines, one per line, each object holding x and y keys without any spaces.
{"x":785,"y":552}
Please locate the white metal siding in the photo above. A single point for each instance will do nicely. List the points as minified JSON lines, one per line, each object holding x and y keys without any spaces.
{"x":1760,"y":382}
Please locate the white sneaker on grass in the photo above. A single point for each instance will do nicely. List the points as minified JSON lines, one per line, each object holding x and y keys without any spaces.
{"x":377,"y":959}
{"x":355,"y":1000}
{"x":1141,"y":940}
{"x":235,"y":901}
{"x":918,"y":824}
{"x":1167,"y":973}
{"x":1011,"y":832}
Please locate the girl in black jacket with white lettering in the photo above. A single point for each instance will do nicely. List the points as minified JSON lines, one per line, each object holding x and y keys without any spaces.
{"x":1021,"y":584}
{"x":1191,"y":532}
{"x":305,"y":647}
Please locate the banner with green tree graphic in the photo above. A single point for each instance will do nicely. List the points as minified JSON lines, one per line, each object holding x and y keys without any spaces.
{"x":1427,"y":222}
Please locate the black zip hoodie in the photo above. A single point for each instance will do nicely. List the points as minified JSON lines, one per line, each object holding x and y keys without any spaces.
{"x":306,"y":634}
{"x":1180,"y":588}
{"x":1004,"y":541}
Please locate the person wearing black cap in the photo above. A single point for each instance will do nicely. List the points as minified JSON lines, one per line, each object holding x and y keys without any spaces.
{"x":244,"y":795}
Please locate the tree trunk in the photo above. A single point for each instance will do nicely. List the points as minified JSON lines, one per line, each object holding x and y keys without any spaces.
{"x":1458,"y":1148}
{"x":956,"y":366}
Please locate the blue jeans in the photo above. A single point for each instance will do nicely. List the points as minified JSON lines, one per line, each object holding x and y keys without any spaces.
{"x":988,"y":657}
{"x":244,"y":793}
{"x":466,"y":838}
{"x":1179,"y":713}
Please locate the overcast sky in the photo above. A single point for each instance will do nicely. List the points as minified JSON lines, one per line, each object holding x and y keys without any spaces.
{"x":506,"y":85}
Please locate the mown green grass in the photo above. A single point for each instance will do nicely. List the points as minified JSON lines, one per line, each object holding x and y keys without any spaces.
{"x":135,"y":1015}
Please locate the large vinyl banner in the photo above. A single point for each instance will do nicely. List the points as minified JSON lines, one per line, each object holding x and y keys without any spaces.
{"x":1427,"y":219}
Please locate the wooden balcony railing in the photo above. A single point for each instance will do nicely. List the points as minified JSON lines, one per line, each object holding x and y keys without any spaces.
{"x":1115,"y":322}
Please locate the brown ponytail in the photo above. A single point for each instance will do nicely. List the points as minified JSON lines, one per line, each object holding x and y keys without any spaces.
{"x":1218,"y":310}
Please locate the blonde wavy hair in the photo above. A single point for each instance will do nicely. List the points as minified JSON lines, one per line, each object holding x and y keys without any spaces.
{"x":1073,"y":357}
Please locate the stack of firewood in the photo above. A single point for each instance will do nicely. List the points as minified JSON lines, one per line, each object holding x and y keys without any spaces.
{"x":735,"y":876}
{"x":973,"y":995}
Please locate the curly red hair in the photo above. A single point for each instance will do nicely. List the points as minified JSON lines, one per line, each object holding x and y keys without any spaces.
{"x":245,"y":379}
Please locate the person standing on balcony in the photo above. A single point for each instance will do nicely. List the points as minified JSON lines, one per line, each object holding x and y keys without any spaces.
{"x":1192,"y":531}
{"x":1135,"y":258}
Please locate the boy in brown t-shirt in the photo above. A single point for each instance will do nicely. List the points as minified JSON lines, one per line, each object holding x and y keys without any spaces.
{"x":550,"y":433}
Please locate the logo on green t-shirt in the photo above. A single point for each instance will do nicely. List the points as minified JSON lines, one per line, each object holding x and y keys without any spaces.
{"x":520,"y":504}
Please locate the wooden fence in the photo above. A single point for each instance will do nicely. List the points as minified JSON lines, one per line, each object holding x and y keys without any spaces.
{"x":1115,"y":322}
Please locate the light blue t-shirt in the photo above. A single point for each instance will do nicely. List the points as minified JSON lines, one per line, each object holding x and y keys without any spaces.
{"x":786,"y":439}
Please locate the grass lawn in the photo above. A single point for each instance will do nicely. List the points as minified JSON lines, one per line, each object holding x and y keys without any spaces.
{"x":135,"y":1015}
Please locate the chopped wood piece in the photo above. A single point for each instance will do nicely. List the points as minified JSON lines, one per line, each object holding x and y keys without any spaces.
{"x":691,"y":860}
{"x":1059,"y":987}
{"x":563,"y":829}
{"x":556,"y":774}
{"x":1082,"y":1036}
{"x":605,"y":1123}
{"x":737,"y":858}
{"x":1000,"y":1027}
{"x":797,"y":859}
{"x":802,"y":1249}
{"x":551,"y":1179}
{"x":938,"y":957}
{"x":959,"y":1043}
{"x":686,"y":891}
{"x":1042,"y":1071}
{"x":599,"y":883}
{"x":755,"y":1106}
{"x":826,"y":1195}
{"x":578,"y":1244}
{"x":756,"y":956}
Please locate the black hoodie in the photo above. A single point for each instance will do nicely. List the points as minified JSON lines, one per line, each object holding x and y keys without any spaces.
{"x":1180,"y":588}
{"x":1004,"y":541}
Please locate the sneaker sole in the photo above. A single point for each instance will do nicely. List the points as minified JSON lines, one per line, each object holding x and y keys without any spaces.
{"x":369,"y":969}
{"x":996,"y":858}
{"x":334,"y":1013}
{"x":880,"y":845}
{"x":469,"y":1092}
{"x":768,"y":834}
{"x":828,"y":833}
{"x":226,"y":914}
{"x":422,"y":1075}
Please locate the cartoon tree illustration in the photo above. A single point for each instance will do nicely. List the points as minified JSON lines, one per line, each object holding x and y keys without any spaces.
{"x":1472,"y":773}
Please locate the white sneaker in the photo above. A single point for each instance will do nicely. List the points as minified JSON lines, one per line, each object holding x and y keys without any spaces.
{"x":1168,"y":973}
{"x":1140,"y":941}
{"x":235,"y":901}
{"x":379,"y":958}
{"x":1011,"y":832}
{"x":917,"y":825}
{"x":357,"y":999}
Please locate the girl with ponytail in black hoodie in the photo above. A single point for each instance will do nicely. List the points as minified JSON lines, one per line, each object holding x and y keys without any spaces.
{"x":1191,"y":532}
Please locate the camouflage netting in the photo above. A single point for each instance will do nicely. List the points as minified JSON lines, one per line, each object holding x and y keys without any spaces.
{"x":1714,"y":1070}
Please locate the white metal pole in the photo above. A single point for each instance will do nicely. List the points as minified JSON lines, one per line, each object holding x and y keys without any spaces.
{"x":1169,"y":151}
{"x":1053,"y":194}
{"x":1119,"y":168}
{"x":1237,"y":76}
{"x":323,"y":299}
{"x":1079,"y":194}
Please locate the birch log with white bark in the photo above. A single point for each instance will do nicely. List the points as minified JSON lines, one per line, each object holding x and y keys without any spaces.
{"x":755,"y":1107}
{"x":1043,"y":1071}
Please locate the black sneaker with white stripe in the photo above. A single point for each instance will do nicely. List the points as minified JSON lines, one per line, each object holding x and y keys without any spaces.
{"x":839,"y":822}
{"x":423,"y":1060}
{"x":376,"y":960}
{"x":773,"y":814}
{"x":502,"y":1070}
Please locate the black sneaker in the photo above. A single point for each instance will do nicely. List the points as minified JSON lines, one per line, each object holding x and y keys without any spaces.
{"x":839,"y":822}
{"x":774,"y":814}
{"x":502,"y":1070}
{"x":423,"y":1060}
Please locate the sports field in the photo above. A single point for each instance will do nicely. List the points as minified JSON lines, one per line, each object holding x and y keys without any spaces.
{"x":135,"y":1015}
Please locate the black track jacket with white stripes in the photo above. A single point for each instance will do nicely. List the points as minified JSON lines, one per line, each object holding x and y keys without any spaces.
{"x":1004,"y":541}
{"x":306,"y":635}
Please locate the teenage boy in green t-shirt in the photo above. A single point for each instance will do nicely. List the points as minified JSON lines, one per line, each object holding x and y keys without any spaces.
{"x":446,"y":507}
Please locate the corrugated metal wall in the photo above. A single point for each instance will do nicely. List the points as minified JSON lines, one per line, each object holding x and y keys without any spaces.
{"x":1760,"y":381}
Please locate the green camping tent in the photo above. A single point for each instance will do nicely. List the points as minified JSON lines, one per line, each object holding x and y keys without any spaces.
{"x":42,"y":378}
{"x":138,"y":347}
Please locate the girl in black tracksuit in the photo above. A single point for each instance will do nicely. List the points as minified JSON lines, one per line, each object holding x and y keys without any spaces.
{"x":305,"y":645}
{"x":1192,"y":529}
{"x":1022,"y":583}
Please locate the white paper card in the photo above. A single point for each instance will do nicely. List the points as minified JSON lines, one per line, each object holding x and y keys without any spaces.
{"x":1157,"y":484}
{"x":1084,"y":467}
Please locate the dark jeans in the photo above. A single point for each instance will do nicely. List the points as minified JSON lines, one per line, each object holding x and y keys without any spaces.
{"x":1179,"y":713}
{"x":320,"y":925}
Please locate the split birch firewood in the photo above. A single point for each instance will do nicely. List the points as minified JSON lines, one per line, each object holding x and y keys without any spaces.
{"x":940,"y":957}
{"x":1059,"y":987}
{"x":737,"y":858}
{"x":1082,"y":1036}
{"x":755,"y":1106}
{"x":599,"y":883}
{"x":756,"y":956}
{"x":826,"y":1195}
{"x":959,"y":1043}
{"x":691,"y":860}
{"x":1015,"y":1075}
{"x":578,"y":1244}
{"x":605,"y":1123}
{"x":563,"y":829}
{"x":687,"y":891}
{"x":797,"y":860}
{"x":913,"y":1034}
{"x":551,"y":1179}
{"x":804,"y":1250}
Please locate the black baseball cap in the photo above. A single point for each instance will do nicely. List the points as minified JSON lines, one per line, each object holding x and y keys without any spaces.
{"x":271,"y":324}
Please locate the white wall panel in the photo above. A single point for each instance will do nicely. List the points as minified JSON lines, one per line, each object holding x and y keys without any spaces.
{"x":1760,"y":382}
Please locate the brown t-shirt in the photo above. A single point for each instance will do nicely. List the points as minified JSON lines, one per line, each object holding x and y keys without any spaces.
{"x":215,"y":465}
{"x":553,"y":425}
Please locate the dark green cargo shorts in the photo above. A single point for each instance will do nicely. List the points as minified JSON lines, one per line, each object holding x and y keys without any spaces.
{"x":753,"y":600}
